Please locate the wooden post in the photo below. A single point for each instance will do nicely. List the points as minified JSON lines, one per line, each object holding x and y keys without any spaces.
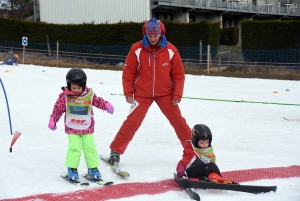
{"x":228,"y":59}
{"x":219,"y":63}
{"x":200,"y":58}
{"x":208,"y":57}
{"x":48,"y":45}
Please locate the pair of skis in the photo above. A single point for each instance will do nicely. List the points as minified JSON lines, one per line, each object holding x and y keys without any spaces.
{"x":115,"y":168}
{"x":88,"y":177}
{"x":189,"y":186}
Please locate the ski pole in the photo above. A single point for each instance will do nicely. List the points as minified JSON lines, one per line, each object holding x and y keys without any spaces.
{"x":7,"y":106}
{"x":15,"y":137}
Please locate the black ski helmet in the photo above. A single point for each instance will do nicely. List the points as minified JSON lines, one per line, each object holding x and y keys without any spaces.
{"x":201,"y":132}
{"x":76,"y":76}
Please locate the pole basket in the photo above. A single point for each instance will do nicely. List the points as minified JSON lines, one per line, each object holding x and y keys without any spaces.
{"x":14,"y":139}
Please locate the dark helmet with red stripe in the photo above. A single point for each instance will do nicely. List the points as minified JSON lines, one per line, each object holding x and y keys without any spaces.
{"x":201,"y":132}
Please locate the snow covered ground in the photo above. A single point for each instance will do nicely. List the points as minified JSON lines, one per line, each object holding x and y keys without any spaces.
{"x":245,"y":135}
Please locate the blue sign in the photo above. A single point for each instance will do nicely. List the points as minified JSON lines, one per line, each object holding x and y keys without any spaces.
{"x":24,"y":41}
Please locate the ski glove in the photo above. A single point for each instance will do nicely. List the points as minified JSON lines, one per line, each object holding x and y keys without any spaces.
{"x":181,"y":172}
{"x":52,"y":124}
{"x":109,"y":108}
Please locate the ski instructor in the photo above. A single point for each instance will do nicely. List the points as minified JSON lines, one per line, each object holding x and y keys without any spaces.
{"x":153,"y":72}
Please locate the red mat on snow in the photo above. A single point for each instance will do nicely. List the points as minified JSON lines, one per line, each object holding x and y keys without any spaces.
{"x":150,"y":188}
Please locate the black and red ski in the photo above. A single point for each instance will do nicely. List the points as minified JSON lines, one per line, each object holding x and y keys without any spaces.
{"x":190,"y":191}
{"x":185,"y":183}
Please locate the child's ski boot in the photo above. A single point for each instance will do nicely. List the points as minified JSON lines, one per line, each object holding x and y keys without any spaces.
{"x":215,"y":177}
{"x":94,"y":174}
{"x":73,"y":174}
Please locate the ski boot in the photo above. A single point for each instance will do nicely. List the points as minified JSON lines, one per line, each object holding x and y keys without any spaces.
{"x":215,"y":177}
{"x":73,"y":174}
{"x":94,"y":173}
{"x":114,"y":158}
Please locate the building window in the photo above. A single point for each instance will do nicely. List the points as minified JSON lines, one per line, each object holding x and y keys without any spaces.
{"x":285,"y":2}
{"x":229,"y":22}
{"x":163,"y":16}
{"x":192,"y":18}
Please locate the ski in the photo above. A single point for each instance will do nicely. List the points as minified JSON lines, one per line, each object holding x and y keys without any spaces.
{"x":102,"y":183}
{"x":185,"y":183}
{"x":291,"y":119}
{"x":193,"y":195}
{"x":115,"y":168}
{"x":67,"y":178}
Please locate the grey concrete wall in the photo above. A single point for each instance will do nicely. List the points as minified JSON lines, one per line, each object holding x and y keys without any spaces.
{"x":180,"y":16}
{"x":239,"y":21}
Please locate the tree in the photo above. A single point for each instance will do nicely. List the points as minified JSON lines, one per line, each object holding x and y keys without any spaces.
{"x":16,"y":8}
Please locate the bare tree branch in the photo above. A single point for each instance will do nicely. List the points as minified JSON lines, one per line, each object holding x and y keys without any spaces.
{"x":16,"y":8}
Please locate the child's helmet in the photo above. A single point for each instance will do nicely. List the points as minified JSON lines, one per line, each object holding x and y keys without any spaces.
{"x":201,"y":132}
{"x":16,"y":56}
{"x":76,"y":76}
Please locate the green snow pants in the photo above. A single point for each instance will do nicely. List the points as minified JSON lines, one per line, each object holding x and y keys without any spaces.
{"x":76,"y":144}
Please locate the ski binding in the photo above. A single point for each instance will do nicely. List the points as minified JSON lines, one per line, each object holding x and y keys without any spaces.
{"x":67,"y":178}
{"x":115,"y":168}
{"x":101,"y":182}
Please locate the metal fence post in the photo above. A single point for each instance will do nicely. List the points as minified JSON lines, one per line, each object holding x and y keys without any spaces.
{"x":57,"y":47}
{"x":23,"y":53}
{"x":200,"y":58}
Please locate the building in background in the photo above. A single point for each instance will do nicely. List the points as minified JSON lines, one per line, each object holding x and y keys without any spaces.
{"x":94,"y":11}
{"x":229,"y":12}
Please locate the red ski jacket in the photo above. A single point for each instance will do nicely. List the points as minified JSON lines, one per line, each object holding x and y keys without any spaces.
{"x":190,"y":155}
{"x":149,"y":73}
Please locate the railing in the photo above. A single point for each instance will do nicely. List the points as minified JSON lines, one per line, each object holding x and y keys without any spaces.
{"x":271,"y":8}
